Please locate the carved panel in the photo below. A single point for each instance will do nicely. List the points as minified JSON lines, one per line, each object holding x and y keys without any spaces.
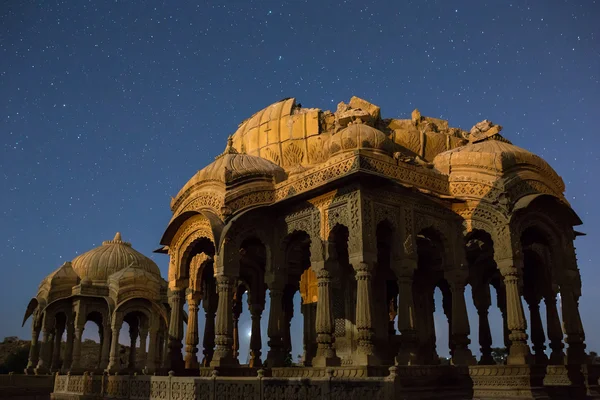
{"x":235,"y":391}
{"x":357,"y":390}
{"x":283,"y":389}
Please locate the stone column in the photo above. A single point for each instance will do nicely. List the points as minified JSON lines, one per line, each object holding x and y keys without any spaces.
{"x":236,"y":312}
{"x":485,"y":337}
{"x":34,"y":349}
{"x":106,"y":339}
{"x":255,"y":339}
{"x":555,"y":332}
{"x":133,"y":334}
{"x":573,"y":326}
{"x":175,"y":358}
{"x":519,"y":350}
{"x":114,"y":364}
{"x":460,"y":329}
{"x":407,"y":354}
{"x":324,"y":321}
{"x":208,"y":340}
{"x":78,"y":334}
{"x":58,"y":334}
{"x":69,"y":345}
{"x":150,"y":366}
{"x":288,"y":314}
{"x":537,"y":333}
{"x":45,"y":348}
{"x":364,"y":314}
{"x":224,"y":324}
{"x":143,"y":353}
{"x":276,"y":354}
{"x":309,"y":312}
{"x":191,"y":339}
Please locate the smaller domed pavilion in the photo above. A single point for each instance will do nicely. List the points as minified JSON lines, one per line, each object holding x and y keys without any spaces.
{"x":108,"y":285}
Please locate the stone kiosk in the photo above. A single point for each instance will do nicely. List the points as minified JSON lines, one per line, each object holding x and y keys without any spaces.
{"x":365,"y":217}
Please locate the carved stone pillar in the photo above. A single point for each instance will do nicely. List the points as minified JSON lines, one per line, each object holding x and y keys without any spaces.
{"x":288,"y":314}
{"x":519,"y":350}
{"x":175,"y":358}
{"x":106,"y":339}
{"x":151,"y":360}
{"x":255,"y":339}
{"x":143,"y":354}
{"x":364,"y":314}
{"x":34,"y":349}
{"x":236,"y":312}
{"x":276,"y":354}
{"x":224,"y":324}
{"x":133,"y":334}
{"x":45,"y":348}
{"x":555,"y":332}
{"x":309,"y":312}
{"x":485,"y":337}
{"x":114,"y":364}
{"x":573,"y":326}
{"x":407,"y":354}
{"x":460,"y":329}
{"x":209,"y":303}
{"x":537,"y":332}
{"x":78,"y":335}
{"x":192,"y":339}
{"x":324,"y":322}
{"x":69,"y":345}
{"x":59,"y":330}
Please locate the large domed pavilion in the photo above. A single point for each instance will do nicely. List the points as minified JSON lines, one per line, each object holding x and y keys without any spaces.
{"x":366,"y":217}
{"x":108,"y":285}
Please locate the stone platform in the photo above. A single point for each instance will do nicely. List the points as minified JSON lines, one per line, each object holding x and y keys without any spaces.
{"x":343,"y":383}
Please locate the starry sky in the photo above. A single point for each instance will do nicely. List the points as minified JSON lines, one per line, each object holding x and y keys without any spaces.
{"x":108,"y":108}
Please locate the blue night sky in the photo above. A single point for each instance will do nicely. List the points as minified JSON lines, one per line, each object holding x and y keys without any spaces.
{"x":107,"y":108}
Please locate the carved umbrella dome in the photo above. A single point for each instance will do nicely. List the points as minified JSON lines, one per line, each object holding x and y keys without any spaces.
{"x":113,"y":256}
{"x":232,"y":167}
{"x":495,"y":157}
{"x":359,"y":136}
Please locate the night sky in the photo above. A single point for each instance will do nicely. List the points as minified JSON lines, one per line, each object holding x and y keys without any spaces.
{"x":108,"y":108}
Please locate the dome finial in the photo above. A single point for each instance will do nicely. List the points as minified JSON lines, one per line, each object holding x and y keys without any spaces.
{"x":117,"y":237}
{"x":229,"y":149}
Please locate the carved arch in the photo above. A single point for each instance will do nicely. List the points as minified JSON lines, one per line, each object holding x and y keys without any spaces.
{"x":238,"y":230}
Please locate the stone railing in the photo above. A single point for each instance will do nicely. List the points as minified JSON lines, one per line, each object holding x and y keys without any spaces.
{"x":216,"y":388}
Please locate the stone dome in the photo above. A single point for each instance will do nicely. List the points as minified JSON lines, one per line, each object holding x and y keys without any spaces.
{"x":496,"y":156}
{"x":113,"y":256}
{"x":359,"y":136}
{"x":232,"y":165}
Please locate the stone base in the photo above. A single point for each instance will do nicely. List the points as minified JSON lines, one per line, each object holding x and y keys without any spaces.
{"x":348,"y":382}
{"x":508,"y":381}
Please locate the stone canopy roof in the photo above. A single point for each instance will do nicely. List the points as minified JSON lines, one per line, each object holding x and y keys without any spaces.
{"x":112,"y":256}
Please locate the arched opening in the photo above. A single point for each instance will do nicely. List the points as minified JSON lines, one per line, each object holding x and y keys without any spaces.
{"x":343,"y":292}
{"x":539,"y":292}
{"x":299,"y":301}
{"x":250,"y":295}
{"x":429,"y":275}
{"x":487,"y":286}
{"x":57,"y":350}
{"x":91,"y":342}
{"x":194,"y":261}
{"x":386,"y":295}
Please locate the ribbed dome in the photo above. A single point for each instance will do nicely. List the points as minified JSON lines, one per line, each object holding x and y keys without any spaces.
{"x":113,"y":256}
{"x":495,"y":154}
{"x":359,"y":136}
{"x":232,"y":165}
